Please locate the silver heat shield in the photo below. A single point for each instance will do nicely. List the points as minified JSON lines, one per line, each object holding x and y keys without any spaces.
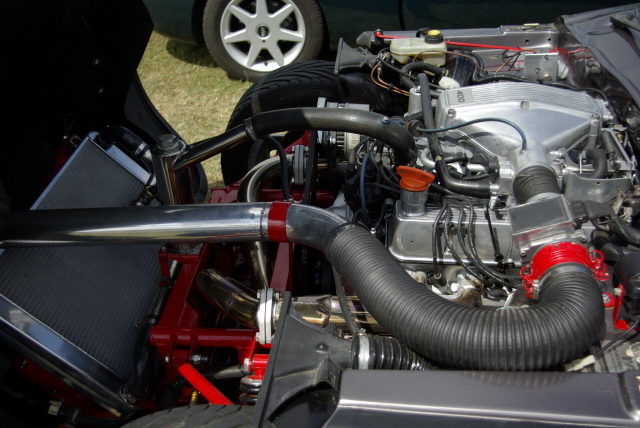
{"x":74,"y":309}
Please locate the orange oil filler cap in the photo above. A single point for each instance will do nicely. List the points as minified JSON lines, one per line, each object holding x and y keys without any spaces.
{"x":414,"y":179}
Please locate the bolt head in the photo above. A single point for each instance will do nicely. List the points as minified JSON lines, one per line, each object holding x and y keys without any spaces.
{"x":167,"y":142}
{"x":166,"y":358}
{"x":523,"y":253}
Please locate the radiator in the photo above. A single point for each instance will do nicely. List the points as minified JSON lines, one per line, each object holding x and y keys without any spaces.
{"x":74,"y":309}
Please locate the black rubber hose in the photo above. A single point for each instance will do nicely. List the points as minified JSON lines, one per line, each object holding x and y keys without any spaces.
{"x":612,"y":252}
{"x":625,"y":231}
{"x":126,"y":140}
{"x":599,"y":161}
{"x":418,"y":66}
{"x":476,"y":177}
{"x":283,"y":166}
{"x":387,"y":353}
{"x":456,"y":158}
{"x":603,"y":217}
{"x":534,"y":181}
{"x":480,"y":190}
{"x":332,"y":119}
{"x":425,"y":98}
{"x":344,"y":305}
{"x":477,"y":189}
{"x":560,"y":327}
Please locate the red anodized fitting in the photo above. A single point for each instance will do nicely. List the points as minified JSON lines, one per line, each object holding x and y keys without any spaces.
{"x":563,"y":252}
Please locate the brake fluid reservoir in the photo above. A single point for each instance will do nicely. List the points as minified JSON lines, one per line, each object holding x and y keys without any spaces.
{"x":430,"y":49}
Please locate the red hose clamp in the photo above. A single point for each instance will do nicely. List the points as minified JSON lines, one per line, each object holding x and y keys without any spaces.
{"x":277,"y":226}
{"x":555,"y":254}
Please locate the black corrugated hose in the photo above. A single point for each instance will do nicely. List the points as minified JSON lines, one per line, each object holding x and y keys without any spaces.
{"x":561,"y":326}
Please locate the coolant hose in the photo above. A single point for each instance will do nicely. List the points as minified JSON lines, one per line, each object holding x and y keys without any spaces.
{"x":333,"y":119}
{"x":560,"y":327}
{"x":418,"y":66}
{"x":127,"y":140}
{"x":599,"y":161}
{"x":425,"y":99}
{"x":477,"y":189}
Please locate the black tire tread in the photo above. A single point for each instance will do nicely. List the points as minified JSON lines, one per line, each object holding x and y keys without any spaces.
{"x":316,"y":74}
{"x":198,"y":416}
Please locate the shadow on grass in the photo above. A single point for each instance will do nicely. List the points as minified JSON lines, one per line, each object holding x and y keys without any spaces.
{"x":192,"y":54}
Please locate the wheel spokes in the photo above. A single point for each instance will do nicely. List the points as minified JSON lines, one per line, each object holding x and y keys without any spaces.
{"x":282,"y":13}
{"x":242,"y":15}
{"x":252,"y":55}
{"x":290,"y":36}
{"x":236,"y":37}
{"x":261,"y":8}
{"x":276,"y":53}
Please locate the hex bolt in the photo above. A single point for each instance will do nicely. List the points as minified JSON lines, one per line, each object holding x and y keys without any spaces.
{"x":167,"y":142}
{"x":523,"y":253}
{"x":385,"y":119}
{"x":166,"y":358}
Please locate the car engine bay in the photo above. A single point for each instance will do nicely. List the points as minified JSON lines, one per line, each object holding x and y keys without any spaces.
{"x":452,"y":237}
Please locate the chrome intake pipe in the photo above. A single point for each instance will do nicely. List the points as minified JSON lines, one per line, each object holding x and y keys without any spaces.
{"x":162,"y":224}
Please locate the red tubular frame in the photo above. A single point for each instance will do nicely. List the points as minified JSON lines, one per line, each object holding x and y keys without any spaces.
{"x":180,"y":336}
{"x":201,"y":383}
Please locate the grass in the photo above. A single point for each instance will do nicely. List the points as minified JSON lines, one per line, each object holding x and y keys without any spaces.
{"x":192,"y":93}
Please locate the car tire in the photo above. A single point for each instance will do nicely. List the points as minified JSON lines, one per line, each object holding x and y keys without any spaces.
{"x":300,"y":85}
{"x":200,"y":416}
{"x":249,"y":38}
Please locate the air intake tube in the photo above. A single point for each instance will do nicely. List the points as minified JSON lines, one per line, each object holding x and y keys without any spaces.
{"x":535,"y":182}
{"x":560,"y":327}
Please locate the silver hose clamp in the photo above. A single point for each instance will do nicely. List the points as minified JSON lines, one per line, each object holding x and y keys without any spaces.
{"x":363,"y":352}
